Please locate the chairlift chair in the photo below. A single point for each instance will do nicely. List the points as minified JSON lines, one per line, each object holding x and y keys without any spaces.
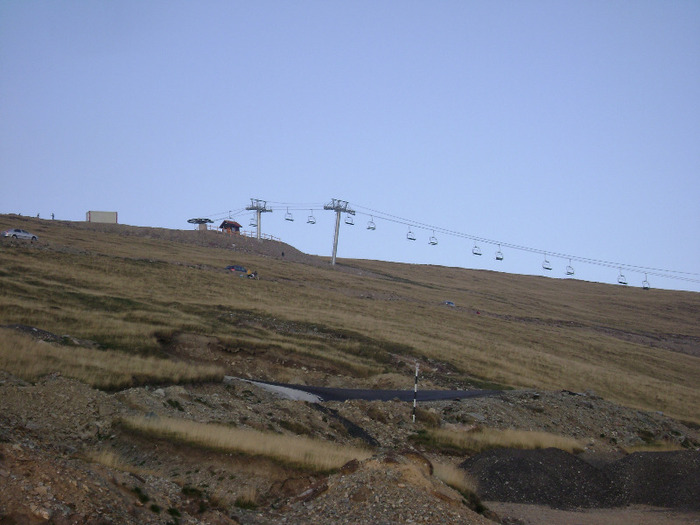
{"x":410,"y":235}
{"x":349,"y":220}
{"x":311,"y":219}
{"x":621,"y":278}
{"x":288,"y":216}
{"x":569,"y":269}
{"x":433,"y":240}
{"x":371,"y":225}
{"x":499,"y":254}
{"x":476,"y":250}
{"x":546,"y":264}
{"x":253,"y":223}
{"x":645,"y":283}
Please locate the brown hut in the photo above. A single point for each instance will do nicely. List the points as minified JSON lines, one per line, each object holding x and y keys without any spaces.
{"x":230,"y":227}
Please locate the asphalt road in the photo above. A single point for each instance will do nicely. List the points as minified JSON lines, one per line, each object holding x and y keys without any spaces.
{"x":345,"y":394}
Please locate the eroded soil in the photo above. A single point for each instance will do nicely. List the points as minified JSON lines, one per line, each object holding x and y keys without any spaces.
{"x":64,"y":457}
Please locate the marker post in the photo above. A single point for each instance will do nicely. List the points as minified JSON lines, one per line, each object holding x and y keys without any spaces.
{"x":415,"y":393}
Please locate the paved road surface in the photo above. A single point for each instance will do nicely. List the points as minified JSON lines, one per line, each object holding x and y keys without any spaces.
{"x":320,"y":393}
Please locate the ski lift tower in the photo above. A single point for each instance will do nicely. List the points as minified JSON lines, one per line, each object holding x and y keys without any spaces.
{"x":201,"y":223}
{"x":338,"y":207}
{"x":258,"y":206}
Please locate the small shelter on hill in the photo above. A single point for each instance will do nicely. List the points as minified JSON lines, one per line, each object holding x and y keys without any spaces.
{"x":230,"y":227}
{"x":109,"y":217}
{"x":201,"y":223}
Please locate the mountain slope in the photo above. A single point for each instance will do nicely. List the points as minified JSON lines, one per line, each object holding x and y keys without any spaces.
{"x":114,"y":341}
{"x":140,"y":289}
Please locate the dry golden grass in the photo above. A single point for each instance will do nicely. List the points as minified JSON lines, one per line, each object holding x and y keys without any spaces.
{"x":660,"y":446}
{"x":29,"y":359}
{"x":247,"y":499}
{"x":106,"y":458}
{"x":482,"y":439}
{"x":454,"y":477}
{"x":120,"y":285}
{"x":296,"y":451}
{"x":114,"y":461}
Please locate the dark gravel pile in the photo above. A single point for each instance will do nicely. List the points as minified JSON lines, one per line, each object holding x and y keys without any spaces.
{"x":545,"y":477}
{"x":561,"y":480}
{"x":661,"y":479}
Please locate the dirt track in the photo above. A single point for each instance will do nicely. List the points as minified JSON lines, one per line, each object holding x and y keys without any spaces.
{"x":346,"y":394}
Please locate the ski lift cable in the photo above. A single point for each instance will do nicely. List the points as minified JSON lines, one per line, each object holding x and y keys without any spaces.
{"x":225,"y":213}
{"x":586,"y":260}
{"x":418,"y":225}
{"x":671,"y":274}
{"x":304,"y":205}
{"x":220,"y":214}
{"x":658,"y":272}
{"x":377,"y":214}
{"x":295,"y":208}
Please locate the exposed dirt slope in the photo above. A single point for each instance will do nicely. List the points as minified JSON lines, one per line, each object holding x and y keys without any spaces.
{"x":67,"y":457}
{"x":55,"y":433}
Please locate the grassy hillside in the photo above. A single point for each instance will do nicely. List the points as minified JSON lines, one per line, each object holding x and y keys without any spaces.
{"x":166,"y":294}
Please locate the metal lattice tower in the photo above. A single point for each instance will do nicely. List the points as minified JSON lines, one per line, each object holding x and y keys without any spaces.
{"x":338,"y":206}
{"x":259,"y":207}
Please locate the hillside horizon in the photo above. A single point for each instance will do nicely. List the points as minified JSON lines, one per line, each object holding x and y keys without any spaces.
{"x":515,"y":330}
{"x":127,"y":354}
{"x":633,"y":283}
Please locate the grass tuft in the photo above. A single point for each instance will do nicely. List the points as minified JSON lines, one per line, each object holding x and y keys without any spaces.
{"x":248,"y":499}
{"x":296,"y":451}
{"x":29,"y":359}
{"x":454,"y":477}
{"x":459,"y":480}
{"x":481,"y":439}
{"x":114,"y":461}
{"x":654,"y":446}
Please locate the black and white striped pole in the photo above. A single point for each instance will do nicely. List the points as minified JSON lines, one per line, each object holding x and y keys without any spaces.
{"x":415,"y":393}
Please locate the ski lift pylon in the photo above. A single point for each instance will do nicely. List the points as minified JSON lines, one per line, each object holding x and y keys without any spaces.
{"x":371,"y":225}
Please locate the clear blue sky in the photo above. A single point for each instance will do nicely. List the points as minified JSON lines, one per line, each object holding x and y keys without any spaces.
{"x":566,"y":127}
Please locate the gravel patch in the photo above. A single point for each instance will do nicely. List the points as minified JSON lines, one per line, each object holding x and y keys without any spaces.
{"x":561,"y":480}
{"x":662,"y":479}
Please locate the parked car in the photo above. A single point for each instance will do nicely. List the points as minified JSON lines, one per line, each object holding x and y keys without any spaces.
{"x":16,"y":233}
